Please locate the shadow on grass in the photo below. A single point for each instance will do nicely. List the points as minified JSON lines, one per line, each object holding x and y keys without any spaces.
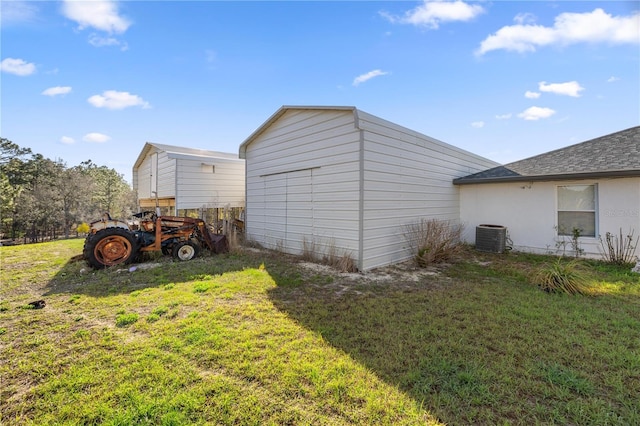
{"x":383,"y":332}
{"x":470,"y":344}
{"x":75,"y":277}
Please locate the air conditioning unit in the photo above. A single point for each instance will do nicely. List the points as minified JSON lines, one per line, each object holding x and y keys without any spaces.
{"x":491,"y":238}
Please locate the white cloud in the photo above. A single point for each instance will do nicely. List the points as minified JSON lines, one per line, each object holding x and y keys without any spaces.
{"x":95,"y":138}
{"x":568,"y":28}
{"x":613,"y":79}
{"x":535,"y":113}
{"x":524,"y":18}
{"x":17,"y":67}
{"x":58,"y":90}
{"x":112,"y":99}
{"x":99,"y":14}
{"x":17,"y":11}
{"x":98,"y":41}
{"x":477,"y":124}
{"x":69,"y":141}
{"x":503,"y":116}
{"x":431,"y":13}
{"x":571,"y":88}
{"x":368,"y":76}
{"x":531,"y":95}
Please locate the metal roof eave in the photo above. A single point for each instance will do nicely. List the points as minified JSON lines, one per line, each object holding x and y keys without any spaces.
{"x":174,"y":151}
{"x":207,"y":158}
{"x":145,"y":149}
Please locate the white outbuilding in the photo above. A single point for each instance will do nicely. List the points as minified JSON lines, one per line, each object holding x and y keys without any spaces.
{"x":188,"y":182}
{"x":337,"y":179}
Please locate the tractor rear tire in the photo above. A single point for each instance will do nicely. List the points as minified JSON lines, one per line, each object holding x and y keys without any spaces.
{"x":109,"y":247}
{"x":185,"y":250}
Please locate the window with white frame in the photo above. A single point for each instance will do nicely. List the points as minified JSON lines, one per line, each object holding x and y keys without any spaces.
{"x":577,"y":209}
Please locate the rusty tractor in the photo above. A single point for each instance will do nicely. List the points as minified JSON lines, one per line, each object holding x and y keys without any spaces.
{"x":113,"y":242}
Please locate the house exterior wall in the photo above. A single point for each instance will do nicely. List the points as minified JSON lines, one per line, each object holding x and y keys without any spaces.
{"x":208,"y":183}
{"x":406,"y":177}
{"x":303,"y":183}
{"x":529,"y":211}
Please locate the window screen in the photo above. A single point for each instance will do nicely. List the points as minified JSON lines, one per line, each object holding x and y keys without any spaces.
{"x":577,"y":210}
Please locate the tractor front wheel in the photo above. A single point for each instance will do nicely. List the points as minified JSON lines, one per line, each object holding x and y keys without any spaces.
{"x":109,"y":247}
{"x":185,"y":250}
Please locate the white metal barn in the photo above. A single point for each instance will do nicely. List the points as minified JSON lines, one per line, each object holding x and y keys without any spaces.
{"x":337,"y":178}
{"x":179,"y":179}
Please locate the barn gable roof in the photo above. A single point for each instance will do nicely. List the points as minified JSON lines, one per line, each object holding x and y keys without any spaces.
{"x":185,"y":153}
{"x":613,"y":155}
{"x":279,"y":113}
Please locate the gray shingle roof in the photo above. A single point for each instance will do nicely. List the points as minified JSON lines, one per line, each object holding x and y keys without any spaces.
{"x":617,"y":154}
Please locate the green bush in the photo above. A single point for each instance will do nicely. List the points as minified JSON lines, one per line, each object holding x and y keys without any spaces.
{"x":122,"y":320}
{"x":153,"y":317}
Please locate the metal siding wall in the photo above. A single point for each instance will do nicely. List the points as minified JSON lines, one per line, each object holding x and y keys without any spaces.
{"x":299,"y":209}
{"x":275,"y":224}
{"x":407,"y":176}
{"x":203,"y":188}
{"x":255,"y":208}
{"x":153,"y":175}
{"x":325,"y":143}
{"x":166,"y":176}
{"x":143,"y":182}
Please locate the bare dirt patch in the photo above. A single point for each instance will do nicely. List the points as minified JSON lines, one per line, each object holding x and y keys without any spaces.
{"x":404,"y":276}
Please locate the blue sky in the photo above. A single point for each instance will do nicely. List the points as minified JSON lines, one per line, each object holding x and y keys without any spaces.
{"x":504,"y":79}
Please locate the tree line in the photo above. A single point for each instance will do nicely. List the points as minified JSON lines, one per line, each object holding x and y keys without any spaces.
{"x":42,"y":198}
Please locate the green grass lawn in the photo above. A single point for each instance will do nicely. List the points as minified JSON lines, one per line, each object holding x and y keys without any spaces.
{"x":258,"y":338}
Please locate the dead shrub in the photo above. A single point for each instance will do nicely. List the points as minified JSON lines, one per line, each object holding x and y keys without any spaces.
{"x":343,"y":262}
{"x":619,"y":249}
{"x":308,"y":250}
{"x":331,"y":253}
{"x":434,"y":240}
